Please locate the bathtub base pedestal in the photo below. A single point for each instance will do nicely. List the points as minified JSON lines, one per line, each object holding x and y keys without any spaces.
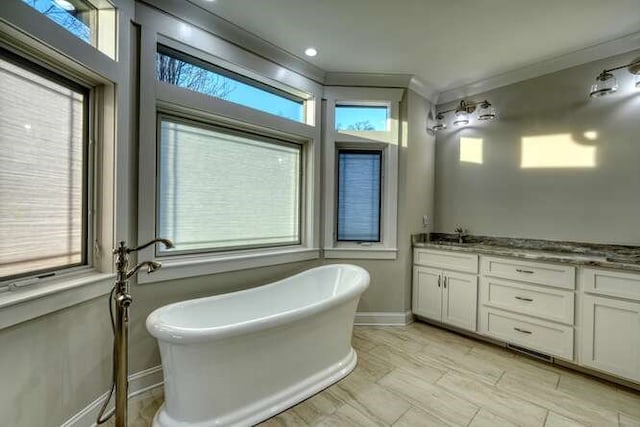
{"x":271,"y":405}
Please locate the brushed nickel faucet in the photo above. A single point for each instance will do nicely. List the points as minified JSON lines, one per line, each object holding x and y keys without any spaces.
{"x":121,"y":299}
{"x":461,"y":232}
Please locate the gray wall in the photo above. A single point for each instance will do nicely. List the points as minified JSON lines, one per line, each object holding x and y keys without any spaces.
{"x":499,"y":198}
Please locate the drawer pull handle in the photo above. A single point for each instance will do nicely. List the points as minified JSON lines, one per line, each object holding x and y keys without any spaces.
{"x":524,"y":331}
{"x":519,"y":270}
{"x":524,"y":299}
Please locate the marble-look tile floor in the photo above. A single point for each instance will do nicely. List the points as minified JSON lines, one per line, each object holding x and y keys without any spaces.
{"x":420,"y":375}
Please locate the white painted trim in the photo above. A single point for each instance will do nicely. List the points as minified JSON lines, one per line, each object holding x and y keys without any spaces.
{"x":360,"y":253}
{"x":380,"y":80}
{"x":199,"y":16}
{"x":139,"y":383}
{"x":199,"y":265}
{"x":386,"y":141}
{"x":550,"y":65}
{"x":383,"y":318}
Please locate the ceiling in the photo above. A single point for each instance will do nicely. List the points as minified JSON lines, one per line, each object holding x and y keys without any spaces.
{"x":446,"y":44}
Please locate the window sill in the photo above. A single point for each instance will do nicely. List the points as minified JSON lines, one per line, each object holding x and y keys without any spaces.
{"x":180,"y":267}
{"x":22,"y":304}
{"x":361,"y":253}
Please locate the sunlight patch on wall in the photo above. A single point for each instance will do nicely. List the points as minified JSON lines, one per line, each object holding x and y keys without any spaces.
{"x":591,"y":135}
{"x":471,"y":150}
{"x":556,"y":151}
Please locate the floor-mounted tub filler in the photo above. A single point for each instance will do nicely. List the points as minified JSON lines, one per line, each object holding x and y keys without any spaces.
{"x":237,"y":359}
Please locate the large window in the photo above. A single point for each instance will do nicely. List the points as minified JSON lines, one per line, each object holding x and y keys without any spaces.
{"x":221,"y":189}
{"x":359,"y":195}
{"x":182,"y":70}
{"x":43,"y":164}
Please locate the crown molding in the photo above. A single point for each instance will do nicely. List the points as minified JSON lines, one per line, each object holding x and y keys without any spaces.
{"x":424,"y":89}
{"x":367,"y":79}
{"x":593,"y":53}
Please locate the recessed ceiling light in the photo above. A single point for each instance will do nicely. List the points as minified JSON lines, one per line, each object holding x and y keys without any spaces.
{"x":65,"y":4}
{"x":310,"y":51}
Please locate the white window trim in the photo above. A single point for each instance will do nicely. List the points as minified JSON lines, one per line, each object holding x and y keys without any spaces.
{"x":24,"y":29}
{"x":376,"y":140}
{"x":161,"y":28}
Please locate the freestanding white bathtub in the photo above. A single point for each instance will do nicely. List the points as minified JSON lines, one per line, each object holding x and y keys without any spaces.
{"x":237,"y":359}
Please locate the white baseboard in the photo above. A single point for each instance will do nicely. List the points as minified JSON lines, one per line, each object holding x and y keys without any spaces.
{"x":138,"y":383}
{"x":383,"y":318}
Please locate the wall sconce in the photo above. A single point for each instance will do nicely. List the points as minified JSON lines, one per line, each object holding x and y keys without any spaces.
{"x":463,"y":114}
{"x":606,"y":83}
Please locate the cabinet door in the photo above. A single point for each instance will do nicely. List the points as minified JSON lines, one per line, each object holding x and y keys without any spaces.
{"x":427,"y":295}
{"x":611,"y":336}
{"x":460,"y":300}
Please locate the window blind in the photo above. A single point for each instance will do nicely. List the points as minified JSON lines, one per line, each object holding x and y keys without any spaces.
{"x":359,"y":186}
{"x":222,"y":189}
{"x":42,"y":127}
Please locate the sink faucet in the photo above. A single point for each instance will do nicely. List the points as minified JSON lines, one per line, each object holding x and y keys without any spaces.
{"x":461,"y":232}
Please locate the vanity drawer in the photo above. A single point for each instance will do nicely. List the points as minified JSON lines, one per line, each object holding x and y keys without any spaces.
{"x":611,"y":283}
{"x":561,"y":276}
{"x":448,"y":260}
{"x":539,"y":301}
{"x":546,"y":337}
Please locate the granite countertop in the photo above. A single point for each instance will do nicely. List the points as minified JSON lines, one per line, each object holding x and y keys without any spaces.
{"x":577,"y":253}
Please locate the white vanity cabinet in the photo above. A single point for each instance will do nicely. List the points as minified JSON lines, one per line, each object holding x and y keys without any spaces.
{"x":443,"y":294}
{"x":528,"y":303}
{"x":611,"y":322}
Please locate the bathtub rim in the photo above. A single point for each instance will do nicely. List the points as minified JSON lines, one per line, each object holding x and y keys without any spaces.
{"x":184,"y":335}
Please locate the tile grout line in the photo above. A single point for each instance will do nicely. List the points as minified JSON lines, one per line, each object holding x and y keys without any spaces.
{"x":474,"y":416}
{"x":402,"y":415}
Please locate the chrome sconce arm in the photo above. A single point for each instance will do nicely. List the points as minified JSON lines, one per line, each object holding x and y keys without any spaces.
{"x":463,"y":112}
{"x":606,"y":83}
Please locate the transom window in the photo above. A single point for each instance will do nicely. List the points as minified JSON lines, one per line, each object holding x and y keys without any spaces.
{"x":185,"y":71}
{"x":224,"y":189}
{"x":82,"y":19}
{"x":362,"y":118}
{"x":43,"y":170}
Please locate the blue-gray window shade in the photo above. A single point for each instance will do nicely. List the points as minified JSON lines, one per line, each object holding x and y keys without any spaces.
{"x":359,"y":185}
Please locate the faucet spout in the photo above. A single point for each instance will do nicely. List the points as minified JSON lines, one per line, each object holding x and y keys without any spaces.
{"x":151,"y":267}
{"x":166,"y":242}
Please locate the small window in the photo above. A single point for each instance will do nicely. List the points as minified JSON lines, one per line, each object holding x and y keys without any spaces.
{"x":43,"y":164}
{"x":223,"y":189}
{"x":190,"y":73}
{"x":361,"y":118}
{"x":82,"y":19}
{"x":359,"y":195}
